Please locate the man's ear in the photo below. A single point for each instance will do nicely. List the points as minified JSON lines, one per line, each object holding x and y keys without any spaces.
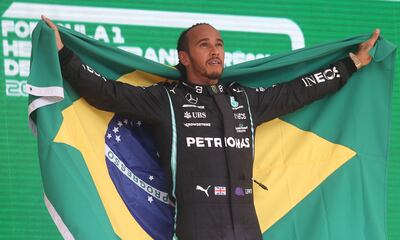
{"x":184,"y":58}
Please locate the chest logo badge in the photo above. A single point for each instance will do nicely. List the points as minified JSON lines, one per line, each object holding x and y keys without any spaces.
{"x":234,"y":103}
{"x":214,"y":88}
{"x":239,"y":191}
{"x":220,"y":191}
{"x":200,"y":188}
{"x":191,"y":99}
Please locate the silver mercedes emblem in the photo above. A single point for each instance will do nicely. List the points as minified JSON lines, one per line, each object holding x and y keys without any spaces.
{"x":191,"y":99}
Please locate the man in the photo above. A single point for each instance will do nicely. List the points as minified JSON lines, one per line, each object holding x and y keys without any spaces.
{"x":204,"y":131}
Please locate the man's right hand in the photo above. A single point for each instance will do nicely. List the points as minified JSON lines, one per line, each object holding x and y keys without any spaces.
{"x":49,"y":23}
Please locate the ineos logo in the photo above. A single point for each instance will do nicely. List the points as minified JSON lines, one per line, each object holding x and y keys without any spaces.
{"x":191,"y":99}
{"x":319,"y":77}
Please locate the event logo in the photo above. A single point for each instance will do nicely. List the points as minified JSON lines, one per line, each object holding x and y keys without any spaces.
{"x":102,"y":24}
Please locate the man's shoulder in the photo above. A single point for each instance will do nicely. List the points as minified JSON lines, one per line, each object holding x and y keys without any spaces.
{"x":237,"y":87}
{"x":163,"y":88}
{"x":169,"y":84}
{"x":162,"y":85}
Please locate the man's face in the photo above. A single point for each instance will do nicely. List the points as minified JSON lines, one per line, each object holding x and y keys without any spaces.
{"x":204,"y":61}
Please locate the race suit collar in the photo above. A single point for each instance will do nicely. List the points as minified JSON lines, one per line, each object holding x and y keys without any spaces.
{"x":205,"y":89}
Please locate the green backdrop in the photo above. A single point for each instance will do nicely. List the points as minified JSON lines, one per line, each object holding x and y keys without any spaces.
{"x":253,"y":29}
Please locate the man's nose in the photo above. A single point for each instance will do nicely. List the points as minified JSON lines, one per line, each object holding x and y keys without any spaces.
{"x":214,"y":51}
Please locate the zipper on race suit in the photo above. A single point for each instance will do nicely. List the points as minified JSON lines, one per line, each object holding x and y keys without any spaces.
{"x":260,"y":184}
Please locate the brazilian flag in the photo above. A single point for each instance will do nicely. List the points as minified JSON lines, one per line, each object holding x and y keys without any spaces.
{"x":326,"y":165}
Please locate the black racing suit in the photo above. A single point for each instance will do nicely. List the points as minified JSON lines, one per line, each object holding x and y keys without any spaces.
{"x":205,"y":137}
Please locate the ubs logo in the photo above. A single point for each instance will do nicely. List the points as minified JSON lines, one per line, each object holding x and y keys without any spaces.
{"x":189,"y":115}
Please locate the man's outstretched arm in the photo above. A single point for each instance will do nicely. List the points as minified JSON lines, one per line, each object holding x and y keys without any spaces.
{"x":147,"y":104}
{"x":287,"y":97}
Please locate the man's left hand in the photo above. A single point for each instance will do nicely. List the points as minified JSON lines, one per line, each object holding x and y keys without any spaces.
{"x":364,"y":48}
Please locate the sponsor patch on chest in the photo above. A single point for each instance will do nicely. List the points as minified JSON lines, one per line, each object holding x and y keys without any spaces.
{"x":216,"y":142}
{"x":195,"y":115}
{"x":241,"y":128}
{"x":220,"y":191}
{"x":240,"y":116}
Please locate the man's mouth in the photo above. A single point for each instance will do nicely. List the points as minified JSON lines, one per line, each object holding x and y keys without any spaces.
{"x":214,"y":61}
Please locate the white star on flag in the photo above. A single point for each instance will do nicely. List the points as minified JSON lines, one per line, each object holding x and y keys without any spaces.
{"x":118,"y":138}
{"x":150,"y":199}
{"x":138,"y":123}
{"x":108,"y":135}
{"x":158,"y":155}
{"x":115,"y":130}
{"x":119,"y":123}
{"x":151,"y":178}
{"x":126,"y":121}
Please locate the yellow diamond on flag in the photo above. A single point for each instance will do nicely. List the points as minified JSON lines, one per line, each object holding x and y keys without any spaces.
{"x":292,"y":163}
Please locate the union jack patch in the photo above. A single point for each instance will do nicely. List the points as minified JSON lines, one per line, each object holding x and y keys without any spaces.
{"x":220,"y":190}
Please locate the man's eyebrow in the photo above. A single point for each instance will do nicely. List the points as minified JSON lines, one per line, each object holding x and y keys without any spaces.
{"x":204,"y":39}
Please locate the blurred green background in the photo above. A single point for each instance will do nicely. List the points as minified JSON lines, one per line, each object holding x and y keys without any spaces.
{"x":294,"y":23}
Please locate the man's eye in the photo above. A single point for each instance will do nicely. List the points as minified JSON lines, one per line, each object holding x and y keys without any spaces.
{"x":220,"y":44}
{"x":204,"y":44}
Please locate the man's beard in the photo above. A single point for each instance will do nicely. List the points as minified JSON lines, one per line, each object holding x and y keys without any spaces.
{"x":214,"y":75}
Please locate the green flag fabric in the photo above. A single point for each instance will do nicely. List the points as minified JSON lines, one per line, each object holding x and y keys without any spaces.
{"x":325,"y":165}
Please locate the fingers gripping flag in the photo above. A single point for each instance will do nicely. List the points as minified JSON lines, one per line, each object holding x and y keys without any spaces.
{"x":324,"y":165}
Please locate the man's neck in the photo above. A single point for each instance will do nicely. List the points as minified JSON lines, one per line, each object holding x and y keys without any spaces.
{"x":204,"y":81}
